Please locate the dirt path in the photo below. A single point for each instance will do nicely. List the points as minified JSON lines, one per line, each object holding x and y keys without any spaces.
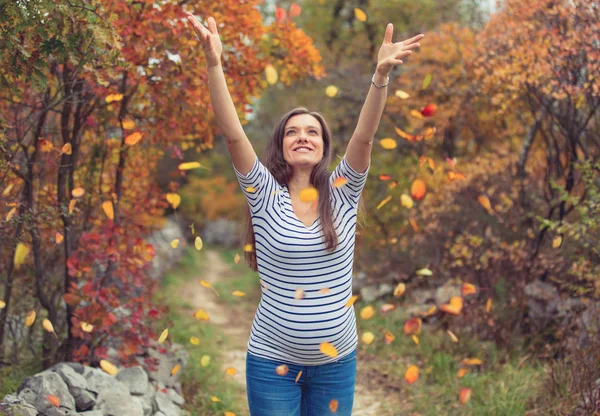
{"x":367,"y":399}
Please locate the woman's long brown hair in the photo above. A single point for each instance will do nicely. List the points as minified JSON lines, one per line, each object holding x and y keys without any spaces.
{"x":282,"y":172}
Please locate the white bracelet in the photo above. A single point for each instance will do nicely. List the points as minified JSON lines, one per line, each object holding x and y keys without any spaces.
{"x":380,"y":86}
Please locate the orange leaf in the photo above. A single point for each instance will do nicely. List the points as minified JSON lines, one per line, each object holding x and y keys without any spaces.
{"x":298,"y":376}
{"x":418,"y":189}
{"x":367,"y":312}
{"x":133,"y":138}
{"x":412,"y":374}
{"x":412,"y":326}
{"x":468,"y":289}
{"x":333,"y":405}
{"x":339,"y":181}
{"x":452,"y":336}
{"x":328,"y":349}
{"x":485,"y":202}
{"x":45,"y":145}
{"x":351,"y":301}
{"x":413,"y":224}
{"x":53,"y":400}
{"x":465,"y":395}
{"x":462,"y":372}
{"x":405,"y":135}
{"x":399,"y":290}
{"x":472,"y":361}
{"x":488,"y":305}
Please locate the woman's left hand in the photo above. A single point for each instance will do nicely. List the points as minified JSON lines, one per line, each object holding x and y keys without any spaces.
{"x":391,"y":54}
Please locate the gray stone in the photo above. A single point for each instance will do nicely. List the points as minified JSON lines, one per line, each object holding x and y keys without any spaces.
{"x":175,"y":397}
{"x":70,"y":376}
{"x":13,"y":405}
{"x":117,"y":401}
{"x":84,"y":400}
{"x":35,"y":389}
{"x":444,"y":293}
{"x":99,"y":380}
{"x":165,"y":405}
{"x":422,"y":296}
{"x":222,"y":232}
{"x":541,"y":291}
{"x":78,"y":367}
{"x":369,"y":293}
{"x":91,"y":413}
{"x":135,"y":378}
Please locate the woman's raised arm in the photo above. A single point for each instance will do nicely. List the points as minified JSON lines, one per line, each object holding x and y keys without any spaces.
{"x":240,"y":148}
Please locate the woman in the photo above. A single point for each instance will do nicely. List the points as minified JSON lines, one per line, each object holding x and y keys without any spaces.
{"x":301,"y":357}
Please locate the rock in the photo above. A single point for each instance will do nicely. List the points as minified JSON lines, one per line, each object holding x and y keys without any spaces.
{"x":99,"y":380}
{"x":135,"y":378}
{"x":541,"y":291}
{"x":68,"y":374}
{"x":175,"y":397}
{"x":165,"y":363}
{"x":16,"y":406}
{"x":117,"y":401}
{"x":222,"y":232}
{"x":91,"y":413}
{"x":35,"y":389}
{"x":165,"y":405}
{"x":422,"y":296}
{"x":77,"y":367}
{"x":445,"y":292}
{"x":373,"y":292}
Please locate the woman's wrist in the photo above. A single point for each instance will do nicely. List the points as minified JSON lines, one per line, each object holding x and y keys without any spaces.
{"x":380,"y":80}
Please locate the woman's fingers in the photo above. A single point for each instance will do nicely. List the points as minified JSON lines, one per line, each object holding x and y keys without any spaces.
{"x":212,"y":25}
{"x":201,"y":31}
{"x":413,"y":39}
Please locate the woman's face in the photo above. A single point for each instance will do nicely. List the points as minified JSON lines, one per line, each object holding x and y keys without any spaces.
{"x":303,"y":141}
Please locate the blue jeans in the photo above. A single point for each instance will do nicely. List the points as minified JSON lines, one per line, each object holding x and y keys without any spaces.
{"x":270,"y":394}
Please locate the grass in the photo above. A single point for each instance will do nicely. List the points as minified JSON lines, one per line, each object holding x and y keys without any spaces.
{"x":201,"y":383}
{"x":11,"y":376}
{"x":500,"y":385}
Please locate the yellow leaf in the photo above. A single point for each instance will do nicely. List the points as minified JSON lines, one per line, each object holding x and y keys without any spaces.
{"x":472,"y":361}
{"x":488,"y":305}
{"x":215,"y":399}
{"x":424,"y":272}
{"x":113,"y":97}
{"x":198,"y":243}
{"x":248,"y":248}
{"x":163,"y":336}
{"x":201,"y":315}
{"x":78,"y":192}
{"x":67,"y":149}
{"x":238,"y":293}
{"x":72,"y":205}
{"x":388,"y":337}
{"x":174,"y":200}
{"x":368,"y":337}
{"x":385,"y":201}
{"x":11,"y":213}
{"x":557,"y":241}
{"x":107,"y":207}
{"x":21,"y":253}
{"x":194,"y":340}
{"x":415,"y":339}
{"x":228,"y":413}
{"x":7,"y":190}
{"x":128,"y":124}
{"x":367,"y":312}
{"x":388,"y":143}
{"x":416,"y":114}
{"x":205,"y":360}
{"x":485,"y":202}
{"x":360,"y":14}
{"x":48,"y":326}
{"x":30,"y":318}
{"x":462,"y":372}
{"x":230,"y":371}
{"x":175,"y":369}
{"x":189,"y":165}
{"x":331,"y":91}
{"x":250,"y":189}
{"x":452,"y":336}
{"x":468,"y":289}
{"x":351,"y":301}
{"x":58,"y":237}
{"x":298,"y":376}
{"x":406,"y":201}
{"x":175,"y":243}
{"x":401,"y":94}
{"x":205,"y":283}
{"x":399,"y":290}
{"x":85,"y":327}
{"x":412,"y":374}
{"x":339,"y":181}
{"x":426,"y":81}
{"x":109,"y":367}
{"x":271,"y":74}
{"x":328,"y":349}
{"x":2,"y":304}
{"x":133,"y":138}
{"x":309,"y":194}
{"x":236,"y":258}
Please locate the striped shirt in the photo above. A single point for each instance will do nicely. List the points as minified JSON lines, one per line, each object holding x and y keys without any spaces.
{"x":292,"y":256}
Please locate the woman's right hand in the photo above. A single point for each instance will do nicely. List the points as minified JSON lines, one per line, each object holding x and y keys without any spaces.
{"x":209,"y":38}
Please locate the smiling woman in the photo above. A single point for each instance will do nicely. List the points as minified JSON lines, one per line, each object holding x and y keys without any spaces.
{"x":301,"y":227}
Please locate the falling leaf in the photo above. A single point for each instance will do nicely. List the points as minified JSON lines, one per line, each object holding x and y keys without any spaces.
{"x":78,"y":192}
{"x":488,"y":305}
{"x":271,"y":74}
{"x":388,"y":337}
{"x":418,"y":189}
{"x":250,"y":189}
{"x":194,"y":340}
{"x":328,"y":349}
{"x":128,"y":124}
{"x":2,"y":304}
{"x":462,"y":372}
{"x":472,"y":361}
{"x":426,"y":81}
{"x":163,"y":336}
{"x":360,"y":14}
{"x":557,"y":241}
{"x":485,"y":202}
{"x":47,"y":325}
{"x":238,"y":293}
{"x":405,"y":135}
{"x":333,"y":405}
{"x":248,"y":248}
{"x":388,"y":143}
{"x":175,"y":243}
{"x":368,"y":337}
{"x":331,"y":91}
{"x":367,"y":312}
{"x":401,"y":94}
{"x":201,"y":315}
{"x":67,"y":149}
{"x":282,"y":369}
{"x":189,"y":165}
{"x":468,"y":289}
{"x":198,"y":243}
{"x":351,"y":301}
{"x":205,"y":284}
{"x":413,"y":224}
{"x":412,"y":374}
{"x":299,"y":294}
{"x":21,"y":253}
{"x":424,"y":272}
{"x":113,"y":97}
{"x":58,"y":237}
{"x":416,"y":114}
{"x":173,"y":199}
{"x":385,"y":201}
{"x":455,"y":175}
{"x":133,"y":138}
{"x":454,"y":307}
{"x":109,"y":367}
{"x":230,"y":371}
{"x":429,"y":311}
{"x":387,"y":307}
{"x":236,"y":258}
{"x":309,"y":194}
{"x":412,"y":326}
{"x":327,"y":290}
{"x":280,"y":14}
{"x":298,"y":376}
{"x":406,"y":201}
{"x":295,"y":10}
{"x":429,"y":133}
{"x":399,"y":290}
{"x":215,"y":399}
{"x":384,"y":177}
{"x":415,"y":339}
{"x":205,"y":360}
{"x":228,"y":413}
{"x":431,"y":163}
{"x":452,"y":336}
{"x":429,"y":110}
{"x":107,"y":207}
{"x":465,"y":395}
{"x":85,"y":327}
{"x":72,"y":205}
{"x":30,"y":318}
{"x":175,"y":369}
{"x":53,"y":400}
{"x":45,"y":145}
{"x":339,"y":181}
